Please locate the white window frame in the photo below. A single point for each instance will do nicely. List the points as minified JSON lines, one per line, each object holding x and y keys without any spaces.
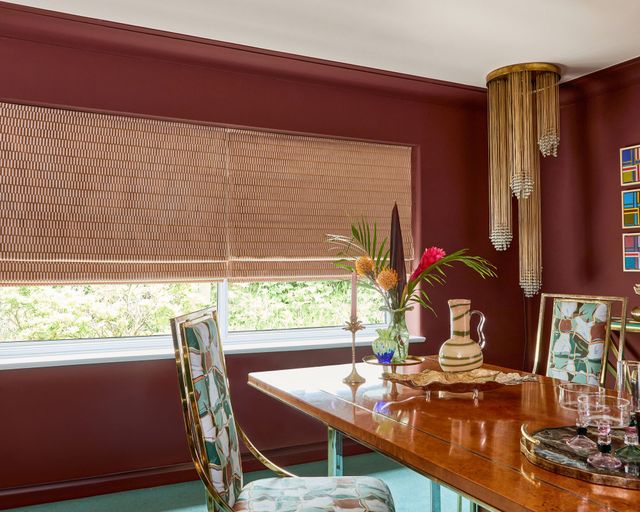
{"x":33,"y":354}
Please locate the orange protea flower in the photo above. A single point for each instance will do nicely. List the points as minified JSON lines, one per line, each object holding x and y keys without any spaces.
{"x":387,"y":279}
{"x":364,"y":265}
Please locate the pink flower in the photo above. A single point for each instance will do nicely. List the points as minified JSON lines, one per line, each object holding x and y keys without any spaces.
{"x":429,"y":257}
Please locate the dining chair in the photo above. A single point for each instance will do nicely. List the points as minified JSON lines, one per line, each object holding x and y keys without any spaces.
{"x":580,"y":338}
{"x":213,"y":438}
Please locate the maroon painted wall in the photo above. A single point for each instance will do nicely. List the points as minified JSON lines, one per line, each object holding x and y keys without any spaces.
{"x":581,"y":204}
{"x":77,"y":430}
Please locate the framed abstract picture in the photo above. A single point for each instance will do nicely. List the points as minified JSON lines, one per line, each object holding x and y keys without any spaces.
{"x":631,"y":208}
{"x":631,"y":252}
{"x":630,"y":165}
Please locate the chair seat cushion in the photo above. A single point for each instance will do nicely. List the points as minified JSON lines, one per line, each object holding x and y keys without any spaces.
{"x":316,"y":494}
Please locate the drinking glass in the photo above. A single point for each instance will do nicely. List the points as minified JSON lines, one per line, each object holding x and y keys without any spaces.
{"x":580,"y":442}
{"x":568,"y":393}
{"x":603,"y":458}
{"x":628,"y":383}
{"x":604,"y":412}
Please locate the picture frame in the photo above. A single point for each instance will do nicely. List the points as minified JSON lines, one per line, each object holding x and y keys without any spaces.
{"x":630,"y":165}
{"x":631,"y":252}
{"x":630,"y":199}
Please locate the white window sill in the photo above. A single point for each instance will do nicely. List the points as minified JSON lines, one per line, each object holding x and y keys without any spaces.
{"x":35,"y":354}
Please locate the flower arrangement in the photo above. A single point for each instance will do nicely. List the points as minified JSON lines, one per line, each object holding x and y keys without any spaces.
{"x":380,"y":265}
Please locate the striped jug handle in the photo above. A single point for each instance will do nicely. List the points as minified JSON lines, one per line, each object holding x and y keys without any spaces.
{"x":482,"y":341}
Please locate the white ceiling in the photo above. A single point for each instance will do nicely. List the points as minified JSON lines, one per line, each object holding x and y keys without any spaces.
{"x":455,"y":40}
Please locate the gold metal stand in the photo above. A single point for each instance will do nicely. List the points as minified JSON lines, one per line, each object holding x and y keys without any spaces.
{"x":353,"y":326}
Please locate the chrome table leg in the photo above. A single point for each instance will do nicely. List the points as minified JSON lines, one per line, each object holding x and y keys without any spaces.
{"x":435,"y":497}
{"x":334,"y":453}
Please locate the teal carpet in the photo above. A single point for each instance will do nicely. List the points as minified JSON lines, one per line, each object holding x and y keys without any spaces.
{"x":410,"y":490}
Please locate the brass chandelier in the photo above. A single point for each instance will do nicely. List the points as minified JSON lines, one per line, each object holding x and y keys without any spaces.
{"x":524,"y":122}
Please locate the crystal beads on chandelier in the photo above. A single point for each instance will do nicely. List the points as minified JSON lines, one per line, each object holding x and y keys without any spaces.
{"x":548,"y":113}
{"x":501,"y":237}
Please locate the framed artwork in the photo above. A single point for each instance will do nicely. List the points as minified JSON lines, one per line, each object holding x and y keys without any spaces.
{"x":631,"y":252}
{"x":578,"y":331}
{"x":630,"y":165}
{"x":631,"y":208}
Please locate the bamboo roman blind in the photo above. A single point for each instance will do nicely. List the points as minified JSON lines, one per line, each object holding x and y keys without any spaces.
{"x":286,"y":192}
{"x":88,"y":197}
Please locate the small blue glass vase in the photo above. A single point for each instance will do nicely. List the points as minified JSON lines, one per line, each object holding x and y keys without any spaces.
{"x":384,"y":346}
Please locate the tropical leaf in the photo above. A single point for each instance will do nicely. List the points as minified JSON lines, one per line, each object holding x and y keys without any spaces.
{"x":385,"y":253}
{"x":363,"y":241}
{"x":375,"y":241}
{"x":382,"y":257}
{"x":436,"y":274}
{"x":345,"y":264}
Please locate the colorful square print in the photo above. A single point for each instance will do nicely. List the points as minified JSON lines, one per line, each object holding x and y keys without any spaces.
{"x":631,"y":208}
{"x":630,"y":165}
{"x":631,"y":252}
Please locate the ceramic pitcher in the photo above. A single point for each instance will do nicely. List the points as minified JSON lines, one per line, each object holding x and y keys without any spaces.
{"x":460,"y":353}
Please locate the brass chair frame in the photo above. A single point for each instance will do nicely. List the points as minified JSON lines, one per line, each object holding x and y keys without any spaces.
{"x":195,"y":438}
{"x":602,"y":299}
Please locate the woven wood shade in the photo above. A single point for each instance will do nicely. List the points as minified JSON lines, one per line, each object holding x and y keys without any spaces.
{"x":287,"y":192}
{"x":89,"y":197}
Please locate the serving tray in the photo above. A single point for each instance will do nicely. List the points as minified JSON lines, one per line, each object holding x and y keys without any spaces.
{"x":547,"y":448}
{"x":476,"y":380}
{"x":459,"y":387}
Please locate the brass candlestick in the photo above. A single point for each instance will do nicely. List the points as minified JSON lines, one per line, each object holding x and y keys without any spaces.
{"x":353,"y":326}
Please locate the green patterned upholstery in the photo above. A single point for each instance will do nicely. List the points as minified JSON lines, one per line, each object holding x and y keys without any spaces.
{"x":214,"y":440}
{"x":319,"y":494}
{"x":214,"y":408}
{"x":578,"y":333}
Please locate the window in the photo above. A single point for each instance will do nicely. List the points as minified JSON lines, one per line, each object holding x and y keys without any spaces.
{"x":37,"y":313}
{"x":296,"y":304}
{"x":192,"y":198}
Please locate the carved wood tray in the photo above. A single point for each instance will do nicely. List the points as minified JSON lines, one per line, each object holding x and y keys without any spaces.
{"x":480,"y":379}
{"x":547,"y":448}
{"x":458,"y":387}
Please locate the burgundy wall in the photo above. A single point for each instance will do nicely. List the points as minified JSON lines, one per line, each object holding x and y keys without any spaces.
{"x":581,"y":204}
{"x":78,"y":430}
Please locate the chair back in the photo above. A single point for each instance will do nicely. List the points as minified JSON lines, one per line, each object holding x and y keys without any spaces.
{"x":580,"y":337}
{"x":208,"y":415}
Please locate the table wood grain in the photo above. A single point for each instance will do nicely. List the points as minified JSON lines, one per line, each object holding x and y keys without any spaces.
{"x":472,"y":446}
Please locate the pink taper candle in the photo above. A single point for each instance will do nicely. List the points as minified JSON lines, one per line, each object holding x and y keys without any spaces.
{"x":354,"y":296}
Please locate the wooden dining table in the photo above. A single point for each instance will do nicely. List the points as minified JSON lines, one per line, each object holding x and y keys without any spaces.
{"x":467,"y":442}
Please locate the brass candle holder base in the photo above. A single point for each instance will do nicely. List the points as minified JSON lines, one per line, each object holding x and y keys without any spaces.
{"x":353,"y":326}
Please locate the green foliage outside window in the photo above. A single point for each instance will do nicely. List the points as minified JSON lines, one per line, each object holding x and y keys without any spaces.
{"x":97,"y":311}
{"x":108,"y":311}
{"x":286,"y":305}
